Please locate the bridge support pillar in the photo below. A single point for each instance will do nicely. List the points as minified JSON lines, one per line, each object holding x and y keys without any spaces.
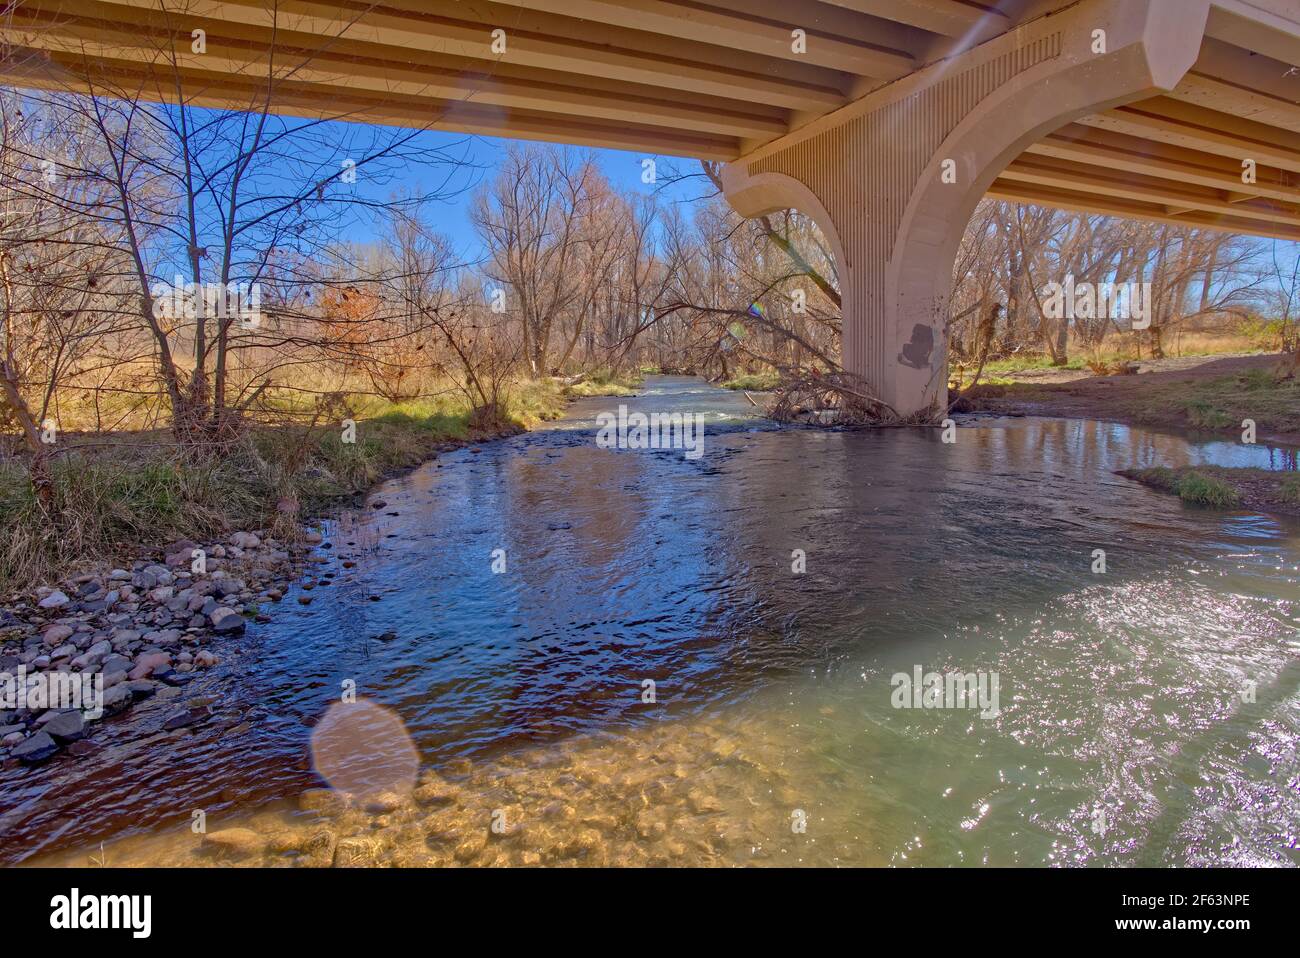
{"x":893,"y":178}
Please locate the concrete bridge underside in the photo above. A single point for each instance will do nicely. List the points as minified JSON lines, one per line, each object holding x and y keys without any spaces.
{"x":884,"y":120}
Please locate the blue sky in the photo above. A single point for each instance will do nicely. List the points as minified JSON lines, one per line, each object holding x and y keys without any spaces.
{"x":483,"y":156}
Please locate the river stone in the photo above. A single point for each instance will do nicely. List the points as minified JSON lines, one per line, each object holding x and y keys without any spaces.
{"x":323,"y":800}
{"x":147,"y":662}
{"x":434,"y":792}
{"x":234,"y":842}
{"x":35,"y":749}
{"x":174,"y":677}
{"x":356,"y":852}
{"x":55,"y":600}
{"x":115,"y":663}
{"x":144,"y":580}
{"x":66,"y":726}
{"x":226,"y":621}
{"x":55,"y":635}
{"x":187,"y":716}
{"x":116,"y":698}
{"x":228,"y":587}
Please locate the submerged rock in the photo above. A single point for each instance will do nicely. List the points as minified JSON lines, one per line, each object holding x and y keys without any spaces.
{"x":35,"y":749}
{"x":234,"y":842}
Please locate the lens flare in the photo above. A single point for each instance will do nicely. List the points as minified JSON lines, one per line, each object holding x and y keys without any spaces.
{"x":363,"y":748}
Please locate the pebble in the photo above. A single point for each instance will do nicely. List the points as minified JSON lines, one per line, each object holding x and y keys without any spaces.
{"x":142,"y":627}
{"x":55,"y":600}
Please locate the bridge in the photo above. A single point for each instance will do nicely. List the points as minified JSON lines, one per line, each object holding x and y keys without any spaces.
{"x":886,"y":121}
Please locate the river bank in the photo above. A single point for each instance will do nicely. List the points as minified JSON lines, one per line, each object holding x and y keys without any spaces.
{"x":1203,"y":395}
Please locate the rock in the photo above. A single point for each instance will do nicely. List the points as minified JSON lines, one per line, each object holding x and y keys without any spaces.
{"x":206,"y":659}
{"x":12,"y":738}
{"x":434,"y":792}
{"x":179,"y":550}
{"x":187,"y":716}
{"x":55,"y":600}
{"x":356,"y":852}
{"x":226,"y":621}
{"x":35,"y":749}
{"x":162,"y":594}
{"x":323,"y":800}
{"x":116,"y":699}
{"x":174,"y":677}
{"x":470,"y":848}
{"x":385,"y":803}
{"x":146,"y":662}
{"x":245,"y":540}
{"x":84,"y":747}
{"x":234,"y":842}
{"x":66,"y":726}
{"x":55,"y":635}
{"x":702,"y":803}
{"x":144,"y":580}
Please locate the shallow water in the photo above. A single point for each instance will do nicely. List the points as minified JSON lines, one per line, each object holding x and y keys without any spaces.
{"x":1121,"y":735}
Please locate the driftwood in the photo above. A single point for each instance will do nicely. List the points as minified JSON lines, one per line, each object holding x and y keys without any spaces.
{"x":836,"y":398}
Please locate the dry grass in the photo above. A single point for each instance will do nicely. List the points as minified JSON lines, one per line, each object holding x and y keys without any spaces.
{"x":119,"y":494}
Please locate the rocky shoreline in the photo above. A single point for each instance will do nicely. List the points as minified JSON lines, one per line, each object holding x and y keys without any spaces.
{"x":143,"y":629}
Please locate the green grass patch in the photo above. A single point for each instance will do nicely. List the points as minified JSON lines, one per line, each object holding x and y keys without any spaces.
{"x":1195,"y":486}
{"x":754,"y":382}
{"x":605,"y":382}
{"x":1022,"y":362}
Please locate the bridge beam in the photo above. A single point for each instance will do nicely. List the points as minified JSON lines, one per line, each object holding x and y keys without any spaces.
{"x":893,"y":178}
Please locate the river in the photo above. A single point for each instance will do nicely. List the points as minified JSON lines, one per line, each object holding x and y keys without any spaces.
{"x":1145,"y":715}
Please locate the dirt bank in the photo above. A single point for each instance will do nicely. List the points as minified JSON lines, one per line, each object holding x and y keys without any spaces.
{"x":1211,"y":394}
